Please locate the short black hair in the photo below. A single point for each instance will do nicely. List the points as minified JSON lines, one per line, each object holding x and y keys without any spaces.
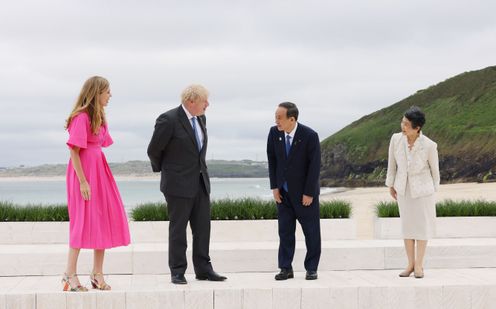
{"x":415,"y":115}
{"x":291,"y":109}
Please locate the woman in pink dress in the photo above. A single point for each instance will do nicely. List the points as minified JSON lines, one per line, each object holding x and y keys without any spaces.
{"x":97,"y":217}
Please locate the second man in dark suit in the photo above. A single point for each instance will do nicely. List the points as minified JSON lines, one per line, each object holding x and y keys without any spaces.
{"x":293,"y":152}
{"x":177,"y":150}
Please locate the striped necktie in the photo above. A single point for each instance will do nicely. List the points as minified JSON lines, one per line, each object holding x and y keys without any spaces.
{"x":198,"y":141}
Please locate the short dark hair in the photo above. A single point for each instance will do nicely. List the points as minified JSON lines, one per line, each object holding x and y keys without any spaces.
{"x":291,"y":109}
{"x":415,"y":115}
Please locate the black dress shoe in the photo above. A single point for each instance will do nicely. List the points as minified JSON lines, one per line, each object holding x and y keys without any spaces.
{"x":311,"y":275}
{"x":178,"y":279}
{"x":285,"y":274}
{"x":211,"y":276}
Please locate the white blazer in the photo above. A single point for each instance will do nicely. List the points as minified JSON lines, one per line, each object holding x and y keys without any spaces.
{"x":421,"y":171}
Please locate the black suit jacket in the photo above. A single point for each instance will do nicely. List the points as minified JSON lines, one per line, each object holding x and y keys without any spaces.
{"x":173,"y":151}
{"x":301,"y":169}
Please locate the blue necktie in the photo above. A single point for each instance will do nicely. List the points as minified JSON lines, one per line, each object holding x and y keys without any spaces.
{"x":198,"y":141}
{"x":288,"y":148}
{"x":288,"y":145}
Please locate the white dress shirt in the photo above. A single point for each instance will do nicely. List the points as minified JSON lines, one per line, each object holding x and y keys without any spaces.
{"x":291,"y":134}
{"x":198,"y":127}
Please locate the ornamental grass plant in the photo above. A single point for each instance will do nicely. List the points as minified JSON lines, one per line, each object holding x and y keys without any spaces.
{"x":446,"y":208}
{"x":241,"y":209}
{"x":32,"y":212}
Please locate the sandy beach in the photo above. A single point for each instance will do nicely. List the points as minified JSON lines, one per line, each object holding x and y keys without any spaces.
{"x":363,"y":200}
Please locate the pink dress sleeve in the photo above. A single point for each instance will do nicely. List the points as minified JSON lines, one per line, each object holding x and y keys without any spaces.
{"x":107,"y":139}
{"x":78,"y":131}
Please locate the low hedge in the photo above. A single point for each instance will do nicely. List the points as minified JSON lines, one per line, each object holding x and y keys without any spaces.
{"x":446,"y":208}
{"x":33,"y":212}
{"x":240,"y":209}
{"x":224,"y":209}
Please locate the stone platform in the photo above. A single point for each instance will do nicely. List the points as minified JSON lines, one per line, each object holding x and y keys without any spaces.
{"x":151,"y":258}
{"x":360,"y":289}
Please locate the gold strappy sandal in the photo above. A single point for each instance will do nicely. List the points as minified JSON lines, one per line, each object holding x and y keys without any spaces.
{"x":97,"y":285}
{"x":67,"y":287}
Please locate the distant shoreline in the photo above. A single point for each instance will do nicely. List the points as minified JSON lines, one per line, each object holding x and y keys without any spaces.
{"x":141,"y":170}
{"x":325,"y":192}
{"x":117,"y":177}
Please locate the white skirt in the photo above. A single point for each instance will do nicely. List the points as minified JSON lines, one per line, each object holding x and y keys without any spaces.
{"x":418,"y":216}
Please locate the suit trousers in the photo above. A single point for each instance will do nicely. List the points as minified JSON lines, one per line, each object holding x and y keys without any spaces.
{"x":196,"y":211}
{"x":309,"y":219}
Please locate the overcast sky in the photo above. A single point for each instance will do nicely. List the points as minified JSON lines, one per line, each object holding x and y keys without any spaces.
{"x":337,"y":60}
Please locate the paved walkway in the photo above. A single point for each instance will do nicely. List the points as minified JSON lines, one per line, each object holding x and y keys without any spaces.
{"x":441,"y":288}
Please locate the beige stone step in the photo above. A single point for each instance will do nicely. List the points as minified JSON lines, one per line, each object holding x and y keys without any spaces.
{"x":363,"y":289}
{"x":151,"y":258}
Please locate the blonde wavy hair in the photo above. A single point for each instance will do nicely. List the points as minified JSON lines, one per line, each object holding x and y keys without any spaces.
{"x":193,"y":93}
{"x":89,"y":101}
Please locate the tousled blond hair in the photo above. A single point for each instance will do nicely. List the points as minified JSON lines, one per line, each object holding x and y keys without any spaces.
{"x":194,"y":93}
{"x":89,"y":101}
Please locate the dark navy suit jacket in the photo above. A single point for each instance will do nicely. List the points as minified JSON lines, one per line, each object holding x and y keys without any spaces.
{"x":301,"y":169}
{"x":174,"y":152}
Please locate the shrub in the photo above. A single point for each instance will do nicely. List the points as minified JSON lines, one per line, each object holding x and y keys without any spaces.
{"x":240,"y":209}
{"x":150,"y":212}
{"x":335,"y":209}
{"x":33,"y":212}
{"x":446,"y":208}
{"x":465,"y":208}
{"x":387,"y":210}
{"x":243,"y":209}
{"x":224,"y":209}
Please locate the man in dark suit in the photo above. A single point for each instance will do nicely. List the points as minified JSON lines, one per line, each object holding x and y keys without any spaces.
{"x":177,"y":150}
{"x":293,"y":152}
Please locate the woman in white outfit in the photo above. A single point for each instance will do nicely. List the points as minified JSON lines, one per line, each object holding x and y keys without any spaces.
{"x":412,"y":178}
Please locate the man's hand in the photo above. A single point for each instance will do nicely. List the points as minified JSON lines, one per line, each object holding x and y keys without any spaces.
{"x":277,"y":196}
{"x":307,"y":200}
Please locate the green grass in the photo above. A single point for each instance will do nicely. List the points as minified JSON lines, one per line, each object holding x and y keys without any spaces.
{"x":243,"y":209}
{"x":150,"y":212}
{"x":335,"y":209}
{"x":224,"y":209}
{"x":465,"y":208}
{"x":446,"y":208}
{"x":32,"y":212}
{"x":240,"y":209}
{"x":387,"y":210}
